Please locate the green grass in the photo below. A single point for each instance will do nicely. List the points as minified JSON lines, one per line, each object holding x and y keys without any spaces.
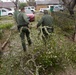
{"x":6,"y":17}
{"x":6,"y":26}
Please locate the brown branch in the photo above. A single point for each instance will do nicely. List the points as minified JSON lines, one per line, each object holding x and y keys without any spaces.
{"x":5,"y":43}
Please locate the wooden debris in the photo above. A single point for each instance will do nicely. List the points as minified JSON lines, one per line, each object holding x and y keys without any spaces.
{"x":5,"y":43}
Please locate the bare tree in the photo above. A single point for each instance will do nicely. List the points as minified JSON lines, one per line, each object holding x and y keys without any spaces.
{"x":31,"y":2}
{"x":70,"y":4}
{"x":16,"y":2}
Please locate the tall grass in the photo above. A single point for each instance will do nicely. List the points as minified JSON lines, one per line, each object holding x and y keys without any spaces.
{"x":4,"y":27}
{"x":6,"y":17}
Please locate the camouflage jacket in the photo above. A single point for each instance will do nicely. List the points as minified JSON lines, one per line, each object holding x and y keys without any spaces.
{"x":46,"y":20}
{"x":22,"y":19}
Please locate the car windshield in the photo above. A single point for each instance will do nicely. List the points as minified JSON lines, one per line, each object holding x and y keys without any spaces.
{"x":28,"y":11}
{"x":33,"y":7}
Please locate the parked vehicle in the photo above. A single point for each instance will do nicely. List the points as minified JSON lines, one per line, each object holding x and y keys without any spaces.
{"x":32,"y":8}
{"x":42,"y":9}
{"x":4,"y":12}
{"x":56,"y":8}
{"x":30,"y":14}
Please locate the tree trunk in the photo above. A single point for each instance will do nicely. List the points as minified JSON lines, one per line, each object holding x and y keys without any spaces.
{"x":70,"y":4}
{"x":17,"y":6}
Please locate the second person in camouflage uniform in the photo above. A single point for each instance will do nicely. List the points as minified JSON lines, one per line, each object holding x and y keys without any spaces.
{"x":46,"y":21}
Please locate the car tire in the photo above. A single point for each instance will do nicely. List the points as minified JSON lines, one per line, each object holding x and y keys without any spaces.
{"x":10,"y":14}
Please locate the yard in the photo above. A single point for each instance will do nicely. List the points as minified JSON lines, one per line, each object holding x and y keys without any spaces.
{"x":58,"y":57}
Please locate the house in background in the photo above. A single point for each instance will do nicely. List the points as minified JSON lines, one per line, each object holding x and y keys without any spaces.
{"x":44,"y":4}
{"x":12,"y":0}
{"x":5,"y":0}
{"x":7,"y":5}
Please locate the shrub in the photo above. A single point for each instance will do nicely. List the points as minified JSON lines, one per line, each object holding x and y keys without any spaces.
{"x":56,"y":56}
{"x":6,"y":26}
{"x":63,"y":21}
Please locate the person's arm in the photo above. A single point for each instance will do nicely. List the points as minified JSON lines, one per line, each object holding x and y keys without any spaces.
{"x":26,"y":18}
{"x":40,"y":22}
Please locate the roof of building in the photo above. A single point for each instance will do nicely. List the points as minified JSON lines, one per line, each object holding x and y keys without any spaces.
{"x":48,"y":2}
{"x":7,"y":4}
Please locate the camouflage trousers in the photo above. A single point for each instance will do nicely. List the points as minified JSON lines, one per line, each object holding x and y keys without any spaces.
{"x":24,"y":31}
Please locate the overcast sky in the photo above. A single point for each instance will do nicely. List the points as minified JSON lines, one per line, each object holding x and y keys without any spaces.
{"x":14,"y":0}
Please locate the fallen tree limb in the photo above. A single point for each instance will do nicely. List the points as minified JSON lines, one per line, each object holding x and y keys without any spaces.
{"x":7,"y":40}
{"x":74,"y":37}
{"x":5,"y":43}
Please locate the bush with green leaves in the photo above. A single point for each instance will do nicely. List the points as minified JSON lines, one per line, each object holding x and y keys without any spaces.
{"x":6,"y":26}
{"x":63,"y":21}
{"x":53,"y":57}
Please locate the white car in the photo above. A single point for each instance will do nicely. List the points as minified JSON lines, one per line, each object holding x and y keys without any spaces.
{"x":5,"y":12}
{"x":32,"y":8}
{"x":56,"y":7}
{"x":42,"y":9}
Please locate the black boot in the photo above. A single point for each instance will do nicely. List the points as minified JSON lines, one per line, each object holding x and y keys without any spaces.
{"x":29,"y":42}
{"x":24,"y":46}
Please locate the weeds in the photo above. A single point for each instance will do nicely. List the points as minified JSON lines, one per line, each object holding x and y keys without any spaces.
{"x":6,"y":18}
{"x":6,"y":26}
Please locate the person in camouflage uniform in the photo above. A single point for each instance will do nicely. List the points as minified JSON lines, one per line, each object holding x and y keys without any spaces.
{"x":23,"y":22}
{"x":46,"y":21}
{"x":52,"y":10}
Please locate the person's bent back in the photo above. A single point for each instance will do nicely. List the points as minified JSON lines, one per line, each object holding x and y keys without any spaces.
{"x":46,"y":20}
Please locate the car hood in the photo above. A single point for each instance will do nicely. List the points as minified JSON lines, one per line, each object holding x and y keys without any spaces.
{"x":30,"y":14}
